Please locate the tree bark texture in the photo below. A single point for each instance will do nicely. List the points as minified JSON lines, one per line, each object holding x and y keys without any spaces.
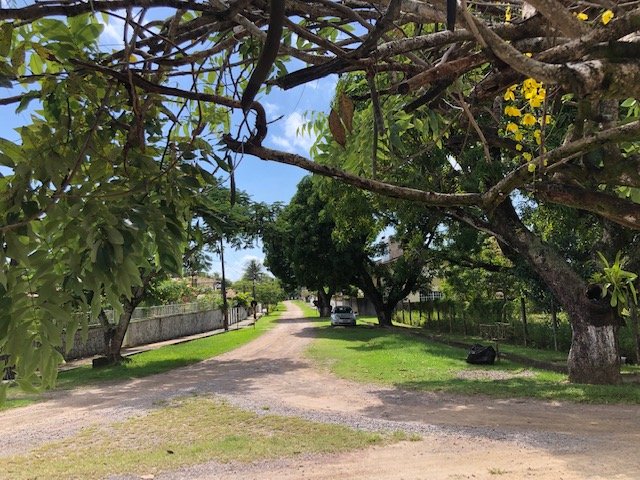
{"x":324,"y":302}
{"x":594,"y":356}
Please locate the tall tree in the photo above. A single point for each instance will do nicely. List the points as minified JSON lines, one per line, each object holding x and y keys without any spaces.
{"x":300,"y":250}
{"x":253,"y":271}
{"x":544,"y":106}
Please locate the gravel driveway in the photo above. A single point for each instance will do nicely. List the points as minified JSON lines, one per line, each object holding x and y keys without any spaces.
{"x":462,"y":437}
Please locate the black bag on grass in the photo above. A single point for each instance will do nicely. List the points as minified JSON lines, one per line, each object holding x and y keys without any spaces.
{"x":480,"y":355}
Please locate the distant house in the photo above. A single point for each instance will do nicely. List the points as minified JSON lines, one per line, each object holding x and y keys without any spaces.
{"x":422,"y":293}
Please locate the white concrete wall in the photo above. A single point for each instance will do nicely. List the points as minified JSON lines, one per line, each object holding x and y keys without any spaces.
{"x":155,"y":329}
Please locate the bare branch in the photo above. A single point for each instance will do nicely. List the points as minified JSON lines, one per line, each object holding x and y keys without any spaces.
{"x":382,"y":188}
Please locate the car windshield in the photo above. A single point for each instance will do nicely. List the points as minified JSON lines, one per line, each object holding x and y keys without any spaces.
{"x":342,"y":310}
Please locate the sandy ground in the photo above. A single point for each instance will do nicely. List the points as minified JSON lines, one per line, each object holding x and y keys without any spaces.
{"x":467,"y":437}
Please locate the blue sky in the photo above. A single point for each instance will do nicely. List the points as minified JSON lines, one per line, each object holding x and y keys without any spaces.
{"x":269,"y":181}
{"x":264,"y":181}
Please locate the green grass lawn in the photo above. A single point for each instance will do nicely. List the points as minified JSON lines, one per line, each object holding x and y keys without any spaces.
{"x":153,"y":361}
{"x":394,"y":357}
{"x":533,"y":353}
{"x":185,"y":432}
{"x":307,"y":310}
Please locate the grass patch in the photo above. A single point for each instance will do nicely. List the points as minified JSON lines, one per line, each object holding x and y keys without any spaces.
{"x":154,"y":361}
{"x":186,"y":432}
{"x":407,"y":361}
{"x":542,"y":355}
{"x":307,"y":310}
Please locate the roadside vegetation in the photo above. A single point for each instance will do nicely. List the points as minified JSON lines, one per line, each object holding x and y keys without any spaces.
{"x":408,"y":361}
{"x":185,"y":432}
{"x":153,"y":361}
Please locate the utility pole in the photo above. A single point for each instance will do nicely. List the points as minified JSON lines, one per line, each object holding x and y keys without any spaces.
{"x":225,"y":307}
{"x":255,"y":302}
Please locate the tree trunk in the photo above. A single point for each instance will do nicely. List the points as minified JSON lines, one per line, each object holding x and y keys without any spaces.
{"x":636,"y":333}
{"x":554,"y":324}
{"x":114,"y":334}
{"x":114,"y":345}
{"x":594,"y":356}
{"x":324,"y":302}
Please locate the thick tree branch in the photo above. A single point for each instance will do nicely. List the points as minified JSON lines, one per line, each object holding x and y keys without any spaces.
{"x":521,"y":176}
{"x":382,"y":188}
{"x":618,"y":210}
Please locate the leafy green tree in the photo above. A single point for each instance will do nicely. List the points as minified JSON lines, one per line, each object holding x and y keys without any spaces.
{"x":168,"y":291}
{"x":253,"y":271}
{"x":269,"y":292}
{"x":545,"y":107}
{"x":300,"y":250}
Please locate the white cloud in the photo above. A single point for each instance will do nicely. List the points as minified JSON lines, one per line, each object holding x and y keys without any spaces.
{"x":293,"y":138}
{"x":248,"y":258}
{"x":271,"y":109}
{"x":281,"y":142}
{"x":113,"y":32}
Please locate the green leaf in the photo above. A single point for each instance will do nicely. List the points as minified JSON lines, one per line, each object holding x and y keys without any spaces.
{"x":26,"y":99}
{"x":18,"y":56}
{"x":10,"y":153}
{"x":6,"y":34}
{"x":26,"y":385}
{"x":70,"y":332}
{"x":222,"y":163}
{"x":115,"y":237}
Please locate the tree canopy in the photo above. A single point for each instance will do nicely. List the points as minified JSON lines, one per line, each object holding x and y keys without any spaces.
{"x":533,"y":99}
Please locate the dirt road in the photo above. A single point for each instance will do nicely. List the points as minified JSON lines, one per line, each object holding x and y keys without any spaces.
{"x":462,"y":437}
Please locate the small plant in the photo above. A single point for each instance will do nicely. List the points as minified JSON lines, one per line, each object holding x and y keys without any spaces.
{"x":617,"y":283}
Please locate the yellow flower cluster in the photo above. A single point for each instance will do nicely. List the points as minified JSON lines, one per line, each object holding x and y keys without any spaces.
{"x":524,"y":119}
{"x":606,"y":17}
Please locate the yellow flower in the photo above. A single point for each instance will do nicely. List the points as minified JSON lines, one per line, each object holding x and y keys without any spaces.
{"x":545,"y":162}
{"x":538,"y":136}
{"x":546,"y":120}
{"x":607,"y":16}
{"x":531,"y":167}
{"x":512,"y":127}
{"x":509,"y":95}
{"x":518,"y":147}
{"x":528,"y":120}
{"x":518,"y":136}
{"x":529,"y":54}
{"x":527,"y":156}
{"x":507,"y":14}
{"x":512,"y":111}
{"x":535,"y":102}
{"x":582,"y":16}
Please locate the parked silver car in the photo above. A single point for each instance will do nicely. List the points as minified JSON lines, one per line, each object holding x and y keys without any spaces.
{"x":342,"y":315}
